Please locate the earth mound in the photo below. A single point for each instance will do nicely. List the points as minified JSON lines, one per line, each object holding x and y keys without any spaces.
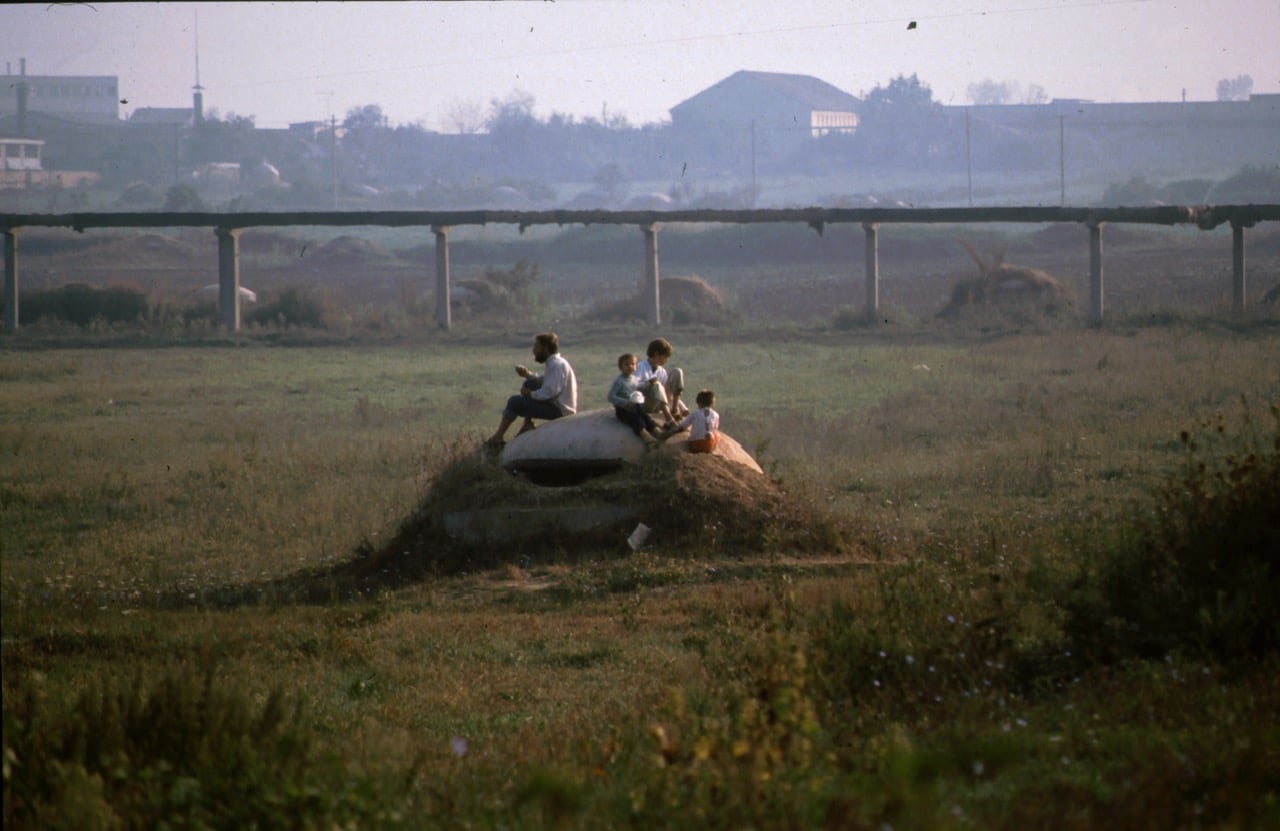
{"x":347,"y":250}
{"x":695,"y":504}
{"x":684,"y":300}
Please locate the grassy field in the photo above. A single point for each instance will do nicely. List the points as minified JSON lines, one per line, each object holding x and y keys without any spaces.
{"x":972,"y":658}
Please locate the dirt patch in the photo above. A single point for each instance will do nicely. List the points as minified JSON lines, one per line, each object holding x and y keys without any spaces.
{"x":698,"y":504}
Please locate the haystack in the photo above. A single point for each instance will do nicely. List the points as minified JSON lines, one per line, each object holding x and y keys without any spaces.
{"x":684,"y":300}
{"x":1004,"y":286}
{"x":347,"y":250}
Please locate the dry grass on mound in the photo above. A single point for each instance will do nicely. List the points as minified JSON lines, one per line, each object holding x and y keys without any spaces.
{"x":684,"y":300}
{"x":703,"y":505}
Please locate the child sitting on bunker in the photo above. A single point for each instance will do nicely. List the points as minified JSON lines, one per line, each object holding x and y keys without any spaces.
{"x":662,"y":387}
{"x":628,"y":400}
{"x":703,"y":424}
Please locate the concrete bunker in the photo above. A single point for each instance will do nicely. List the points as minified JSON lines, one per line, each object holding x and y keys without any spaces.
{"x":574,"y":449}
{"x":576,"y":488}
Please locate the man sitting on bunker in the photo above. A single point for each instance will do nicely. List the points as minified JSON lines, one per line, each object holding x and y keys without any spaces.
{"x":547,"y":396}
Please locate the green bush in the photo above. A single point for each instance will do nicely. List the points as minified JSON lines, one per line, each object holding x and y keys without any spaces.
{"x":1199,"y":573}
{"x":80,"y":304}
{"x":180,"y":752}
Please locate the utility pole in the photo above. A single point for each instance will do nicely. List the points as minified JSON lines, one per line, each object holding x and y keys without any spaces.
{"x":333,"y":148}
{"x":968,"y":155}
{"x":1062,"y":162}
{"x":333,"y":156}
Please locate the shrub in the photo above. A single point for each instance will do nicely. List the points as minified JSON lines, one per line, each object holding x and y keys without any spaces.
{"x":182,"y":198}
{"x":501,"y":292}
{"x":1200,"y":572}
{"x":81,"y":304}
{"x":181,"y":751}
{"x":293,"y":307}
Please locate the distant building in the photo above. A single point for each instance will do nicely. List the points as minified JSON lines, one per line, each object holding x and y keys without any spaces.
{"x":1202,"y":138}
{"x":21,"y":167}
{"x":763,"y":119}
{"x":20,"y":154}
{"x":800,"y":105}
{"x":82,"y":98}
{"x":163,"y":117}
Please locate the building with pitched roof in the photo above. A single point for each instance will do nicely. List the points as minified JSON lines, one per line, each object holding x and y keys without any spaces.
{"x":799,"y":105}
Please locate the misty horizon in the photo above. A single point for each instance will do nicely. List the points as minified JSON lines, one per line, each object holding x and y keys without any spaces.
{"x":627,"y":62}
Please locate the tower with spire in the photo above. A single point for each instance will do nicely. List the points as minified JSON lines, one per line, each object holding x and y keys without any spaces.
{"x":197,"y":92}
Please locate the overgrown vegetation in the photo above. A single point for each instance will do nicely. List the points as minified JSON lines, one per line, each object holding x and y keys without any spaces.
{"x":81,"y":305}
{"x":499,"y":293}
{"x":293,"y":306}
{"x":1067,"y":616}
{"x":179,"y":750}
{"x":1199,"y":573}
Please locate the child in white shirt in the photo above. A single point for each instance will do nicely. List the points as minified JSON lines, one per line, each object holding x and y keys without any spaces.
{"x":702,"y":423}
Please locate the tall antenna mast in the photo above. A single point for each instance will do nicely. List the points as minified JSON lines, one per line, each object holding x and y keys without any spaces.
{"x":196,"y":13}
{"x":197,"y":92}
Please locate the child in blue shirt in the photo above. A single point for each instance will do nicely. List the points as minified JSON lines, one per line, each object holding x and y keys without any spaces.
{"x":628,"y":400}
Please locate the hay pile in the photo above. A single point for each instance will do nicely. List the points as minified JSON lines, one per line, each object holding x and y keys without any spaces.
{"x":698,"y":504}
{"x":1008,"y":287}
{"x":685,"y":300}
{"x":350,"y":251}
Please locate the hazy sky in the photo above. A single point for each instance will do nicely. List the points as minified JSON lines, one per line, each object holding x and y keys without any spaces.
{"x":284,"y":62}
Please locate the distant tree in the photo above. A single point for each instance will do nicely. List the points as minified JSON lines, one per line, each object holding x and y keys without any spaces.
{"x":901,"y":122}
{"x":1035,"y":95}
{"x":903,"y":95}
{"x":1238,"y":88}
{"x":367,"y":117}
{"x":515,"y":112}
{"x":183,"y":198}
{"x":218,"y":139}
{"x":517,"y":140}
{"x":988,"y":92}
{"x":464,"y":116}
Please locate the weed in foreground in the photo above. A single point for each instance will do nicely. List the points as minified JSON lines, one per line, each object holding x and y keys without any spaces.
{"x":180,"y":751}
{"x":1200,"y":572}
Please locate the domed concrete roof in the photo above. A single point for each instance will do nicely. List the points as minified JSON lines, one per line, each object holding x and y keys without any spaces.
{"x":596,"y":439}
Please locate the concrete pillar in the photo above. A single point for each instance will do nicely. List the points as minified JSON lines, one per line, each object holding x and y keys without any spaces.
{"x":653,"y":310}
{"x":872,"y":305}
{"x":11,"y":279}
{"x":229,"y":277}
{"x":1095,"y":273}
{"x":1238,"y":300}
{"x":444,"y":303}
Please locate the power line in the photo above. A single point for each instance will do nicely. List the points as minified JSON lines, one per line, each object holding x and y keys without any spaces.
{"x":688,"y":39}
